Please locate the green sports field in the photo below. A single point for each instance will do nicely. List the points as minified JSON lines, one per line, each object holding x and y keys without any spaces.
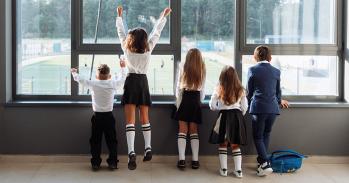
{"x":51,"y":75}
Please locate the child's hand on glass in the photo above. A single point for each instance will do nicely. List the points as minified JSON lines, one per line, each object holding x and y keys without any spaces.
{"x":73,"y":70}
{"x":284,"y":104}
{"x":119,"y":11}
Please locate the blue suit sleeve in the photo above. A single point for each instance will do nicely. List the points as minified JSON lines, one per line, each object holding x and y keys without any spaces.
{"x":278,"y":90}
{"x":250,"y":87}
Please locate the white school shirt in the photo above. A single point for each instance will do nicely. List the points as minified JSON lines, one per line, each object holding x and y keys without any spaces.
{"x":102,"y":91}
{"x":217,"y":104}
{"x":138,"y":62}
{"x":179,"y":89}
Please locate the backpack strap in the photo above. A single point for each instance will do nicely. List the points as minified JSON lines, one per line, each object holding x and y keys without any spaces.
{"x":289,"y":151}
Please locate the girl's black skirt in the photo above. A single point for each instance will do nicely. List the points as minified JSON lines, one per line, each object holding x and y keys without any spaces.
{"x":230,"y":126}
{"x":189,"y":109}
{"x":136,"y":90}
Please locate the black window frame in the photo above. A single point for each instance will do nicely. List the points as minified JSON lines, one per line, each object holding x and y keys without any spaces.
{"x":174,"y":48}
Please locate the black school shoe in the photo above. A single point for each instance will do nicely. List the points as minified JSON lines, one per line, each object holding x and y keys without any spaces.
{"x":112,"y":165}
{"x":95,"y":167}
{"x":181,"y":164}
{"x":132,"y":165}
{"x":195,"y":164}
{"x":148,"y":154}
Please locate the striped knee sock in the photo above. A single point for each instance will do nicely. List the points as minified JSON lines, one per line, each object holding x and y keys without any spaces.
{"x":223,"y":157}
{"x":146,"y":129}
{"x":130,"y":136}
{"x":237,"y":158}
{"x":182,"y":143}
{"x":194,"y":142}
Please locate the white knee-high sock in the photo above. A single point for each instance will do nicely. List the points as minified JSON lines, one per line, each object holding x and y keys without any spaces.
{"x":130,"y":136}
{"x":237,"y":158}
{"x":223,"y":157}
{"x":194,"y":142}
{"x":182,"y":143}
{"x":146,"y":129}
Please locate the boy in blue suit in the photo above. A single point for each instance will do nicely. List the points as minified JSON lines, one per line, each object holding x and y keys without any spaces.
{"x":264,"y":97}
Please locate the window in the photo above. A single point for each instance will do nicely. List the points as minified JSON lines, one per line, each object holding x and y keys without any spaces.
{"x":290,"y":22}
{"x":305,"y":37}
{"x":137,"y":13}
{"x":303,"y":75}
{"x":209,"y":26}
{"x":43,"y":47}
{"x":160,"y":73}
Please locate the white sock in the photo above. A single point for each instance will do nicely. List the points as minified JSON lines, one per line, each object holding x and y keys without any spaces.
{"x":182,"y":143}
{"x":194,"y":142}
{"x":130,"y":136}
{"x":223,"y":157}
{"x":237,"y":158}
{"x":146,"y":129}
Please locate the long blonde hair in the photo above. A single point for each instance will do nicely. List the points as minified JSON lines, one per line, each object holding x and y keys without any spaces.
{"x":230,"y":90}
{"x":194,"y":70}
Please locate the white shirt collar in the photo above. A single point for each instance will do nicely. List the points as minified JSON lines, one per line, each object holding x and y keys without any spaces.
{"x":264,"y":62}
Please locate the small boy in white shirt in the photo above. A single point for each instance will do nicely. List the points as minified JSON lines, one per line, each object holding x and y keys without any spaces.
{"x":103,"y":90}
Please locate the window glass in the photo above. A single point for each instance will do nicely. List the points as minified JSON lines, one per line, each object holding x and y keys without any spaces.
{"x":137,"y":13}
{"x":210,"y":26}
{"x":302,"y":75}
{"x":290,"y":22}
{"x":43,"y":47}
{"x":160,"y":73}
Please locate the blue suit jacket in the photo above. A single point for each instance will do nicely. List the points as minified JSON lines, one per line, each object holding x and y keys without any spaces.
{"x":263,"y":89}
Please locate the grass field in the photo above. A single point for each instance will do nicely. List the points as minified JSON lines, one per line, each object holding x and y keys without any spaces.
{"x":51,"y":76}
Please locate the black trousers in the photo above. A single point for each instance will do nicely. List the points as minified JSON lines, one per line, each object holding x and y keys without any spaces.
{"x":262,"y":125}
{"x":103,"y":123}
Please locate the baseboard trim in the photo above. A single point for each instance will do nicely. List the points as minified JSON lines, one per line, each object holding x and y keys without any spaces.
{"x":156,"y":159}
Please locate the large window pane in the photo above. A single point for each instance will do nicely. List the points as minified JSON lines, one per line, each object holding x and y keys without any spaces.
{"x":137,"y":13}
{"x":160,"y":72}
{"x":290,"y":22}
{"x":302,"y":75}
{"x":43,"y":47}
{"x":209,"y":26}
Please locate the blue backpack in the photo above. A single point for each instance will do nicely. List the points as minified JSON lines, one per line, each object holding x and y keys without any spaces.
{"x":286,"y":161}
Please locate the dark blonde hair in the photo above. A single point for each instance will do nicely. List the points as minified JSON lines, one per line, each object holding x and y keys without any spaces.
{"x":230,"y":90}
{"x":194,"y":70}
{"x":137,"y":41}
{"x":103,"y":71}
{"x":262,"y":53}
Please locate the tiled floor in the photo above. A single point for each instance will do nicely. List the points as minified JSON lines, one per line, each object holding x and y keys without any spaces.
{"x":76,"y":172}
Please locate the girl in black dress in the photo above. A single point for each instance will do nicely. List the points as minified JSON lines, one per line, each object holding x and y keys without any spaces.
{"x":189,"y":93}
{"x":229,"y":129}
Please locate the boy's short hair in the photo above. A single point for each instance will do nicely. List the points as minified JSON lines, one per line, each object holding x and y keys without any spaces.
{"x":103,"y":69}
{"x":262,"y":53}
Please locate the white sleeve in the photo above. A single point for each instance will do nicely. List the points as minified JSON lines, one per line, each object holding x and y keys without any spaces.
{"x":81,"y":81}
{"x":121,"y":32}
{"x":155,"y":34}
{"x":244,"y":105}
{"x":120,"y":78}
{"x":178,"y":81}
{"x":214,"y":101}
{"x":202,"y":92}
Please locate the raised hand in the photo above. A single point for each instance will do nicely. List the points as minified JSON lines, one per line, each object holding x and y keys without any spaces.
{"x":166,"y":12}
{"x":119,"y":11}
{"x":122,"y":63}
